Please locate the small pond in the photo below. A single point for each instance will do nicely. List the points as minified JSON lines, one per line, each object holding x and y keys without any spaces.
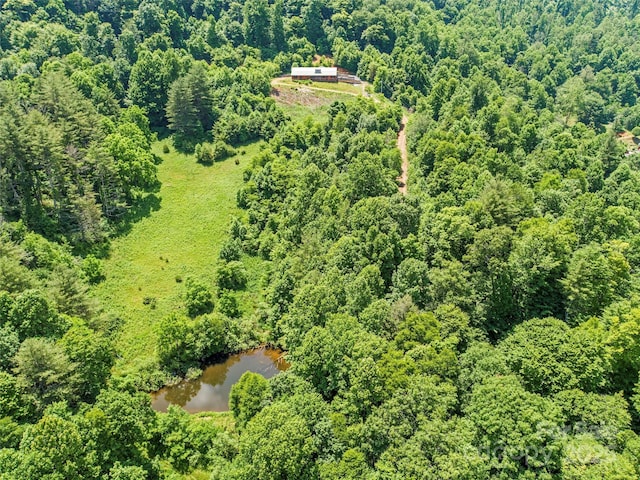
{"x":210,"y":391}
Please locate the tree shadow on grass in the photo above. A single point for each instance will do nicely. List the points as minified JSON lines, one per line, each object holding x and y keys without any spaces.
{"x":142,"y":208}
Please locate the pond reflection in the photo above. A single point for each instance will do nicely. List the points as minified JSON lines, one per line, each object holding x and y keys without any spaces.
{"x":210,"y":392}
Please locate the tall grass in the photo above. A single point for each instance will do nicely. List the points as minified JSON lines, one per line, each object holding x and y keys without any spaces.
{"x":179,"y":234}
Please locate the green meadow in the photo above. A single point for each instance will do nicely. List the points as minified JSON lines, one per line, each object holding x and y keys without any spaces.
{"x":179,"y":234}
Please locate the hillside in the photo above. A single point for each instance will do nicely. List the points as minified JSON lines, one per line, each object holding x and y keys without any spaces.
{"x":439,"y":266}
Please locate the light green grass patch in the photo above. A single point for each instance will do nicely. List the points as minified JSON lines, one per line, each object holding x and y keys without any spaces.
{"x":182,"y":236}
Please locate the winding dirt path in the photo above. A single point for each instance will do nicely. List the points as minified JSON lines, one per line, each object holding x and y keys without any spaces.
{"x":402,"y":146}
{"x":402,"y":136}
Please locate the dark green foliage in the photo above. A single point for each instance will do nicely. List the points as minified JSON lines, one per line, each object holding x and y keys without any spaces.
{"x":549,"y":356}
{"x":64,"y":174}
{"x":12,"y":404}
{"x":278,"y":40}
{"x":323,"y":357}
{"x":522,"y":425}
{"x":256,"y":23}
{"x":182,"y":115}
{"x":412,"y":278}
{"x":69,"y":292}
{"x":149,"y":82}
{"x":93,"y":356}
{"x":93,"y":269}
{"x":71,"y":174}
{"x":408,"y":411}
{"x":32,"y":315}
{"x":189,"y":442}
{"x":277,"y":444}
{"x":197,"y":298}
{"x":594,"y":278}
{"x":10,"y":433}
{"x":232,"y":276}
{"x":417,"y":329}
{"x":248,"y":397}
{"x":51,"y":447}
{"x":190,"y":107}
{"x":174,"y":338}
{"x":228,"y":305}
{"x":231,"y":250}
{"x":46,"y":373}
{"x":9,"y":343}
{"x":413,"y":322}
{"x":120,"y":426}
{"x":14,"y":277}
{"x":606,"y":415}
{"x":183,"y":342}
{"x":120,"y":472}
{"x":208,"y":153}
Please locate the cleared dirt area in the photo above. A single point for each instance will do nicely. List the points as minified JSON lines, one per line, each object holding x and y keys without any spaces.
{"x":281,"y":84}
{"x":301,"y":100}
{"x":629,"y":140}
{"x":303,"y":96}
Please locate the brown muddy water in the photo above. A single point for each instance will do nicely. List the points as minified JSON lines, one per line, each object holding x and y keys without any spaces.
{"x":210,"y":391}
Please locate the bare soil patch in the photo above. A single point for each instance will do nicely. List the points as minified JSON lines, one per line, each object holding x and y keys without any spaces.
{"x":298,"y":96}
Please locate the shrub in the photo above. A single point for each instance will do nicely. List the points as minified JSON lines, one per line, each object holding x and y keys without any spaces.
{"x":165,"y":148}
{"x":93,"y":269}
{"x":228,"y":305}
{"x":183,"y":342}
{"x":9,"y":344}
{"x":232,"y":276}
{"x":204,"y":154}
{"x":210,"y":335}
{"x":198,"y":298}
{"x":237,"y":229}
{"x":248,"y":396}
{"x":151,"y":301}
{"x":208,"y":153}
{"x":221,"y":150}
{"x":231,"y":250}
{"x":175,"y":342}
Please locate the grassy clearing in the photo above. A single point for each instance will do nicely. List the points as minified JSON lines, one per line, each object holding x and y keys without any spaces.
{"x":179,"y":235}
{"x":300,"y":100}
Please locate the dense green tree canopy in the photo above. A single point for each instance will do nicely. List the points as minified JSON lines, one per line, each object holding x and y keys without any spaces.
{"x":485,"y":324}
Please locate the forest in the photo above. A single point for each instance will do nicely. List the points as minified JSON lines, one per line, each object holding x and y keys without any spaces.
{"x":484,"y":325}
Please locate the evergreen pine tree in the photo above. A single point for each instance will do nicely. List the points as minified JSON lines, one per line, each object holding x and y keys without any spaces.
{"x":277,"y":27}
{"x":256,"y":23}
{"x":183,"y":115}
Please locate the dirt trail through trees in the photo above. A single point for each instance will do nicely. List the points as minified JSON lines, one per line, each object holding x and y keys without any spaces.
{"x":402,"y":146}
{"x":402,"y":137}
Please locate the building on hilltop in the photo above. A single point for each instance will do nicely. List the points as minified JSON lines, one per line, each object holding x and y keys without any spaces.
{"x":317,"y":74}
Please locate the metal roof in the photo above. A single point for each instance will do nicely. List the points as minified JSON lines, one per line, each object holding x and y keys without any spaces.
{"x":313,"y":71}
